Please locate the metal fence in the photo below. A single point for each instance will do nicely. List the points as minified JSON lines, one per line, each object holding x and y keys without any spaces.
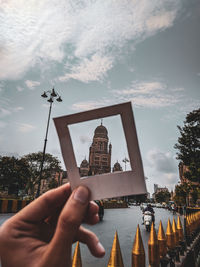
{"x":177,"y":246}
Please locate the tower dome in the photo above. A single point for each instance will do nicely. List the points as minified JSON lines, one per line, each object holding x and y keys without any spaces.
{"x":101,"y":131}
{"x":84,"y":164}
{"x":117,"y":167}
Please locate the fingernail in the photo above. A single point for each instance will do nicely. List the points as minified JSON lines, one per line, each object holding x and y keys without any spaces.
{"x":81,"y":194}
{"x":100,"y":248}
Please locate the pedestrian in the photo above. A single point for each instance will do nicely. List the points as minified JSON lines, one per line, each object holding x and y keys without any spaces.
{"x":42,"y":233}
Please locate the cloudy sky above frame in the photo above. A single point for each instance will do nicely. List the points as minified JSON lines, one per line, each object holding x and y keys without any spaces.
{"x":99,"y":53}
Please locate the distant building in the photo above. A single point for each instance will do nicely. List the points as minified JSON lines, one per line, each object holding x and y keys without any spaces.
{"x":99,"y":155}
{"x":117,"y":167}
{"x":158,"y":189}
{"x":148,"y":195}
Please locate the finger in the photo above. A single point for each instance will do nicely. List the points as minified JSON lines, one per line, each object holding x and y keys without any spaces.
{"x":91,"y":240}
{"x":71,"y":217}
{"x":45,"y":205}
{"x":92,"y":216}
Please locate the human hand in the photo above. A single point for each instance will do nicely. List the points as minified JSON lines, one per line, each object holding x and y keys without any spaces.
{"x":42,"y":233}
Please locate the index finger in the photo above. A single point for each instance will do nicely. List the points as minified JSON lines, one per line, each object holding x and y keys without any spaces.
{"x":45,"y":205}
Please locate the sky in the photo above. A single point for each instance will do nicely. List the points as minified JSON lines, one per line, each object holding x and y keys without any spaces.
{"x":99,"y":53}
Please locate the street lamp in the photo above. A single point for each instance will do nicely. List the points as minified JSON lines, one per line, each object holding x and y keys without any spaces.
{"x":50,"y":94}
{"x":125,"y":160}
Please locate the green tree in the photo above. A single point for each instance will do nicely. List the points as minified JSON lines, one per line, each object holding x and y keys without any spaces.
{"x":53,"y":184}
{"x":138,"y":198}
{"x":188,"y":145}
{"x":163,"y":196}
{"x":182,"y":193}
{"x":14,"y":174}
{"x":51,"y":166}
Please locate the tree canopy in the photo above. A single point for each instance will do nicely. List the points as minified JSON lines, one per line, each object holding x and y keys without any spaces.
{"x":163,"y":196}
{"x":188,"y":145}
{"x":51,"y":166}
{"x":14,"y":173}
{"x":23,"y":174}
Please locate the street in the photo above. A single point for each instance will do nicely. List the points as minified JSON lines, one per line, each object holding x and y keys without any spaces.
{"x":125,"y":222}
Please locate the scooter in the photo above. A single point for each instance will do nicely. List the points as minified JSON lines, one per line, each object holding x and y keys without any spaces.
{"x":147,"y":220}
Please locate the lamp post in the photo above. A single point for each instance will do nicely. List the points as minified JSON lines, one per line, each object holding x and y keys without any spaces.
{"x":125,"y":160}
{"x":51,"y":95}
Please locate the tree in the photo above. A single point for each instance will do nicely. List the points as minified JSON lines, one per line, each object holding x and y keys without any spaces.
{"x":163,"y":196}
{"x":14,"y":174}
{"x":53,"y":184}
{"x":50,"y":167}
{"x":182,"y":192}
{"x":188,"y":145}
{"x":138,"y":198}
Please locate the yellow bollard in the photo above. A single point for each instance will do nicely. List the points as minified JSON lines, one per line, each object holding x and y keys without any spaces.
{"x":179,"y":229}
{"x":188,"y":225}
{"x":23,"y":204}
{"x":4,"y":207}
{"x":153,"y":250}
{"x":76,"y":262}
{"x":175,"y":231}
{"x":138,"y":254}
{"x":169,"y":236}
{"x":191,"y":222}
{"x":115,"y":254}
{"x":14,"y":205}
{"x":161,"y":241}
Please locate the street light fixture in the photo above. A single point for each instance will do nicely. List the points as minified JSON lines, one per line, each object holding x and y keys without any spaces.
{"x":51,"y":94}
{"x":125,"y":160}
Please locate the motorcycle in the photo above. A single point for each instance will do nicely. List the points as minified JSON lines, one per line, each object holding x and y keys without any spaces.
{"x":147,"y":220}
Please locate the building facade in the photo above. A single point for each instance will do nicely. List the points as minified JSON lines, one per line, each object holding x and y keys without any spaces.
{"x":100,"y":153}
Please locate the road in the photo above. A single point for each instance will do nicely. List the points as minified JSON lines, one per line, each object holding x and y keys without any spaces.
{"x":125,"y":221}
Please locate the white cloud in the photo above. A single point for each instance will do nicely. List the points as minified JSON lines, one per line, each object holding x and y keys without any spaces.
{"x":3,"y":124}
{"x":141,"y":94}
{"x":162,"y":161}
{"x":161,"y":21}
{"x":8,"y":154}
{"x":25,"y":128}
{"x":4,"y":112}
{"x":38,"y":32}
{"x":162,"y":168}
{"x":1,"y":86}
{"x":89,"y":70}
{"x":87,"y":105}
{"x":20,"y":89}
{"x":143,"y":88}
{"x":18,"y":109}
{"x":84,"y":139}
{"x":149,"y":94}
{"x":32,"y":84}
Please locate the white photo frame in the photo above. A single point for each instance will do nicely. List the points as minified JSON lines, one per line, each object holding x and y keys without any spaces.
{"x":106,"y":185}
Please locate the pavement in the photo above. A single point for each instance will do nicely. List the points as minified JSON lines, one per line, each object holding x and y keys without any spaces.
{"x":125,"y":222}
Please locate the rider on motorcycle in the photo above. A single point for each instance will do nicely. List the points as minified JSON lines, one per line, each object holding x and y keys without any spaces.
{"x":150,"y":209}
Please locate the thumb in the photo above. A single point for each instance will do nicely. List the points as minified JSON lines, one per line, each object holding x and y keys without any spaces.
{"x":72,"y":216}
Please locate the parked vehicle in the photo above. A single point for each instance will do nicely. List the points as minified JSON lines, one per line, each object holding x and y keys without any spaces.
{"x":101,"y":209}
